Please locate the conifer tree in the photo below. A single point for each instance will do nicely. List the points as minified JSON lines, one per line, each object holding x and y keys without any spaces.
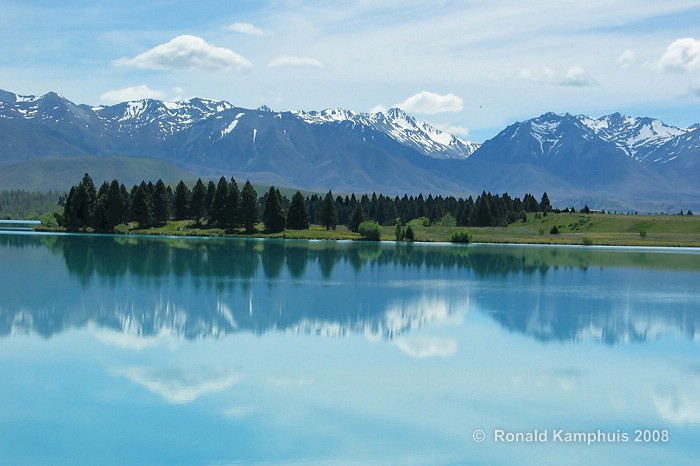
{"x":98,"y":220}
{"x":78,"y":210}
{"x":116,"y":211}
{"x":209,"y":199}
{"x":273,"y":213}
{"x":329,"y":216}
{"x":181,"y":201}
{"x":218,"y":206}
{"x":358,"y":216}
{"x":143,"y":206}
{"x":298,"y":216}
{"x":545,"y":205}
{"x":126,"y":201}
{"x":161,"y":203}
{"x":197,"y":202}
{"x":232,"y":217}
{"x":249,"y":207}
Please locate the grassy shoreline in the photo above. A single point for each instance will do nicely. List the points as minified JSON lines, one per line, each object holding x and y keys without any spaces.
{"x":574,"y":229}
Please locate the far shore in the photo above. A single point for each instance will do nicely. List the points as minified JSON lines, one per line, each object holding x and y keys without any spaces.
{"x":573,"y":229}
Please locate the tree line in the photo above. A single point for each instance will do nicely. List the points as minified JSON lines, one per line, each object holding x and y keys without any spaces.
{"x":29,"y":205}
{"x":226,"y":206}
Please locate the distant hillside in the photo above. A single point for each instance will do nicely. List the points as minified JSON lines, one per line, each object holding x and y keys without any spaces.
{"x":59,"y":174}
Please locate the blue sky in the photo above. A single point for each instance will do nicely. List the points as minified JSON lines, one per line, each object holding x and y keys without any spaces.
{"x":470,"y":67}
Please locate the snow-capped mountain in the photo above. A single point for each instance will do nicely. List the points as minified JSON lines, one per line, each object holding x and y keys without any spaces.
{"x":336,"y":148}
{"x":400,"y":126}
{"x":624,"y":160}
{"x":615,"y":161}
{"x":168,"y":117}
{"x":638,"y":137}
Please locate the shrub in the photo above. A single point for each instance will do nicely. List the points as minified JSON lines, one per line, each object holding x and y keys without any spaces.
{"x":409,"y":235}
{"x":370,"y":230}
{"x":643,"y":233}
{"x":447,"y":220}
{"x":121,"y":229}
{"x":554,"y":230}
{"x":49,"y":219}
{"x":399,"y":232}
{"x":462,"y":236}
{"x":587,"y":241}
{"x":420,"y":221}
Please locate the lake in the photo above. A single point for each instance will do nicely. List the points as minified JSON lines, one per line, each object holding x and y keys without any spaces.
{"x":133,"y":350}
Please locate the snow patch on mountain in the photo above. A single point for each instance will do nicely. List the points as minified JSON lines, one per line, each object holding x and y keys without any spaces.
{"x":229,"y":128}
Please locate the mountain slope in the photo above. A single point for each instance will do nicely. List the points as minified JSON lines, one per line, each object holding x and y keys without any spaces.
{"x":58,"y":173}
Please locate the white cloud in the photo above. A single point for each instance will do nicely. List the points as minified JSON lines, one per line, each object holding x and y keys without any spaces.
{"x":536,"y":74}
{"x":681,"y":56}
{"x":378,"y":109}
{"x":426,"y":347}
{"x":291,"y":61}
{"x":431,"y":103}
{"x":575,"y":76}
{"x":180,"y":385}
{"x":130,"y":93}
{"x":246,"y":28}
{"x":626,"y":58}
{"x":188,"y":53}
{"x":452,"y":129}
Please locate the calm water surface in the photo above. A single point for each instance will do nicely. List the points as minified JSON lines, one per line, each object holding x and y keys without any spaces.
{"x":129,"y":350}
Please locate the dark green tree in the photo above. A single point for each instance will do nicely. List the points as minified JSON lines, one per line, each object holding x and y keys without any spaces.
{"x":99,"y":219}
{"x":181,"y":201}
{"x":298,"y":216}
{"x":409,"y":236}
{"x":117,"y":209}
{"x":273,"y":213}
{"x":209,"y":199}
{"x":399,"y":232}
{"x":249,"y":207}
{"x":482,"y":215}
{"x":329,"y":216}
{"x":78,"y":210}
{"x":232,"y":212}
{"x":358,"y":216}
{"x":142,"y":206}
{"x":161,"y":204}
{"x":198,"y":202}
{"x":218,"y":205}
{"x":545,"y":205}
{"x":530,"y":204}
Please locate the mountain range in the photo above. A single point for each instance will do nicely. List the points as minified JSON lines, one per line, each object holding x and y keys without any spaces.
{"x":614,"y":162}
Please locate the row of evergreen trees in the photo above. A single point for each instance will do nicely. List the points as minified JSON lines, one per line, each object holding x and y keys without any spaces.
{"x":223,"y":205}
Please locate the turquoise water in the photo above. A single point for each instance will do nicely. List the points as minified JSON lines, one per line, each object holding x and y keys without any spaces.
{"x":132,"y":350}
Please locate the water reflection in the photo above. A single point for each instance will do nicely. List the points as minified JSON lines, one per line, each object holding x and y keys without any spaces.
{"x":199,"y":288}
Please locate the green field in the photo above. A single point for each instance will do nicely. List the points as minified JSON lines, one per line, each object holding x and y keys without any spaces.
{"x":582,"y":229}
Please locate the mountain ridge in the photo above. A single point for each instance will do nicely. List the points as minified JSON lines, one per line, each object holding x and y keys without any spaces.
{"x":628,"y":163}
